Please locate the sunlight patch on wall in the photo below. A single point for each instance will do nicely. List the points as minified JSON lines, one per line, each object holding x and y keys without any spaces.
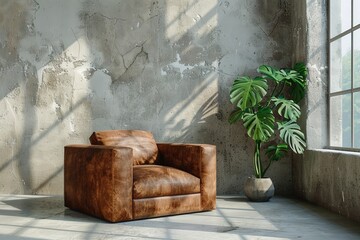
{"x":197,"y":17}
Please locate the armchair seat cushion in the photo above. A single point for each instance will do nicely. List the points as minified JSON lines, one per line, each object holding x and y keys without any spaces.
{"x":156,"y":181}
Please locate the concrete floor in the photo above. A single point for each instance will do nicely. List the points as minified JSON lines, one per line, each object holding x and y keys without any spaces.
{"x":40,"y":217}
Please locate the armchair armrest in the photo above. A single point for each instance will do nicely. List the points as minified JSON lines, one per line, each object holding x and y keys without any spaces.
{"x":198,"y":160}
{"x":98,"y":181}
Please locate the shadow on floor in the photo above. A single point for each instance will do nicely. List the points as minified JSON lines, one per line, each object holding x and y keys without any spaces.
{"x":18,"y":237}
{"x":42,"y":207}
{"x":234,"y":218}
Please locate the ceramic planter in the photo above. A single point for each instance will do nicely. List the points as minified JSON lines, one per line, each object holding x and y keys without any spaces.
{"x":259,"y":189}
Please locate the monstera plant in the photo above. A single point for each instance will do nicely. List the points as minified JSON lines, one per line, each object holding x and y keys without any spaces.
{"x":267,"y":105}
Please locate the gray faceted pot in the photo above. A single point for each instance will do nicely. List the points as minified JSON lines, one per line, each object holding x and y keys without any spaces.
{"x":259,"y":189}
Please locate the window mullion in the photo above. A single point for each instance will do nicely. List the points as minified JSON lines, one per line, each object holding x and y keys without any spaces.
{"x":352,"y":75}
{"x":340,"y":99}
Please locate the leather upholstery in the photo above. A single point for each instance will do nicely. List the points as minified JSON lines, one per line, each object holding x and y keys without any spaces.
{"x":143,"y":143}
{"x":98,"y":181}
{"x":161,"y":206}
{"x":197,"y":159}
{"x":108,"y":182}
{"x":157,"y":181}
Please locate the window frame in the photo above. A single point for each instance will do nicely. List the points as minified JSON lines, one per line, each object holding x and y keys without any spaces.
{"x":352,"y":90}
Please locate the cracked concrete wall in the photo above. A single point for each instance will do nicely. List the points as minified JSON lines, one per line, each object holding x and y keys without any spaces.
{"x":68,"y":68}
{"x":325,"y":177}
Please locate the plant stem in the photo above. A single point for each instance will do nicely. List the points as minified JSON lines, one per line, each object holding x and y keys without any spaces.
{"x":282,"y":88}
{"x":272,"y":94}
{"x":273,"y":91}
{"x":257,"y":160}
{"x":267,"y":167}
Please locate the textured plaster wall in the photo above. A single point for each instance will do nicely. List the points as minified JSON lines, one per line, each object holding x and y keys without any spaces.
{"x":327,"y":178}
{"x":68,"y":68}
{"x":330,"y":179}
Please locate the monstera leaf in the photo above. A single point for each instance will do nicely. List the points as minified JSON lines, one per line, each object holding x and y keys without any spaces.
{"x":247,"y":92}
{"x":255,"y":102}
{"x":298,"y":92}
{"x":301,"y":69}
{"x":291,"y":134}
{"x":295,"y":77}
{"x":260,"y":125}
{"x":271,"y":72}
{"x":276,"y":152}
{"x":236,"y":115}
{"x":287,"y":108}
{"x":298,"y":82}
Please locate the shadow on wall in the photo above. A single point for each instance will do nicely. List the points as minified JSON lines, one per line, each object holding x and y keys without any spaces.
{"x":157,"y":76}
{"x":205,"y":116}
{"x":82,"y":73}
{"x":37,"y":95}
{"x":162,"y":66}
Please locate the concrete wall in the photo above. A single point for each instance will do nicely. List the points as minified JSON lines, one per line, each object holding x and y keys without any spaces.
{"x":327,"y":178}
{"x":68,"y":68}
{"x":330,"y":179}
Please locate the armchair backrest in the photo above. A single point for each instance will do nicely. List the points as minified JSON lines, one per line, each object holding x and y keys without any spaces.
{"x":144,"y":147}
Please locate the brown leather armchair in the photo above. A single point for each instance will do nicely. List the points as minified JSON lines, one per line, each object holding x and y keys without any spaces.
{"x":125,"y":175}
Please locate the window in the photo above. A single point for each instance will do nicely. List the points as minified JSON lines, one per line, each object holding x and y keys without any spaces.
{"x":344,"y":90}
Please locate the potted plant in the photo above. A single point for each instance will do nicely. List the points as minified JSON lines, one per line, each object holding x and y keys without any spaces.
{"x":267,"y":105}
